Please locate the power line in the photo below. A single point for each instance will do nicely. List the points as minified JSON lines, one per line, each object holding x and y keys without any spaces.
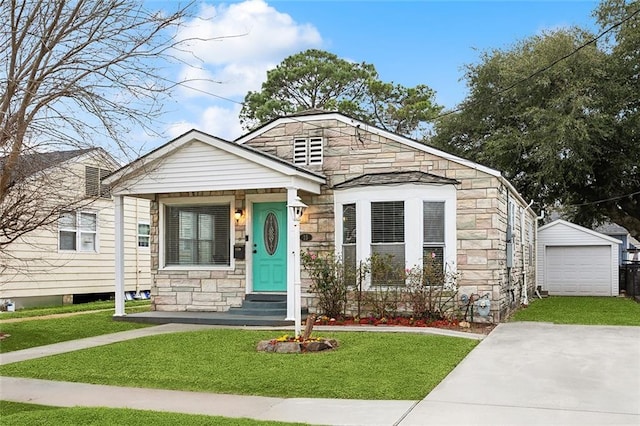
{"x":549,"y":66}
{"x":605,"y":200}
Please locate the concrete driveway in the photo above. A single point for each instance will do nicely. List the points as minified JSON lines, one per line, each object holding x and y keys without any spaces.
{"x":536,"y":373}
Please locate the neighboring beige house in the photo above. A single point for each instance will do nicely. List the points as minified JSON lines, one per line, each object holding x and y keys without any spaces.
{"x":73,"y":258}
{"x":367,"y":190}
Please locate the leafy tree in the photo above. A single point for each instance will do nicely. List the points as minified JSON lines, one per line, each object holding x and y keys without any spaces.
{"x":74,"y":74}
{"x":558,"y":115}
{"x":315,"y":79}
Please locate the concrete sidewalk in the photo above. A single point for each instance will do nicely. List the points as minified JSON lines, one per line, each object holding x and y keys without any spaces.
{"x":305,"y":410}
{"x":521,"y":374}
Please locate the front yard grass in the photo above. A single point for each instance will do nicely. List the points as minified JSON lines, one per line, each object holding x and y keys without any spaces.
{"x":582,"y":310}
{"x":139,"y":305}
{"x":18,"y":414}
{"x":402,"y":366}
{"x":38,"y":332}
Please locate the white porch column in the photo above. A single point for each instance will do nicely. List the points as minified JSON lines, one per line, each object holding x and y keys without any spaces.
{"x":119,"y":253}
{"x":292,"y":254}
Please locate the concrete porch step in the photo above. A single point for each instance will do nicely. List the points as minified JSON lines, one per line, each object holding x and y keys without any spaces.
{"x":208,"y":318}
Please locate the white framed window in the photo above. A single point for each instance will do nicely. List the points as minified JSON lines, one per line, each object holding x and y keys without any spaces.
{"x":144,"y":234}
{"x":349,"y":236}
{"x":78,"y":231}
{"x":401,"y":228}
{"x":433,"y":231}
{"x":197,"y":235}
{"x":307,"y":151}
{"x":387,"y":232}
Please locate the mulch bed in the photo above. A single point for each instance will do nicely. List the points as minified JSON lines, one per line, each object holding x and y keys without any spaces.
{"x":456,"y":325}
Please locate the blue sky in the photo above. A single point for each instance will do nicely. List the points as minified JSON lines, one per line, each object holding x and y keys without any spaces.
{"x":409,"y":42}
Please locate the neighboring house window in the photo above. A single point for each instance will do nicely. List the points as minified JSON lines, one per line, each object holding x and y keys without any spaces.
{"x":197,"y":235}
{"x":307,"y":151}
{"x":433,"y":232}
{"x":349,"y":237}
{"x":93,"y":182}
{"x":387,"y":232}
{"x":78,"y":231}
{"x":144,"y":232}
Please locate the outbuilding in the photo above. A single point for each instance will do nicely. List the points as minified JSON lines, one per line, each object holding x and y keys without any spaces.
{"x":576,"y":261}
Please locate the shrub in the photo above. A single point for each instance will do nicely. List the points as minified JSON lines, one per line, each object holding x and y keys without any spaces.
{"x":329,"y":281}
{"x":387,"y":290}
{"x":431,"y":290}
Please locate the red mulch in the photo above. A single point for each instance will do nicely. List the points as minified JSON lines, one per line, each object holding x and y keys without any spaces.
{"x":455,"y":325}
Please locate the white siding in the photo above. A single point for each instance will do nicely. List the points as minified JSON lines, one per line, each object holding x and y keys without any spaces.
{"x":200,"y":167}
{"x":39,"y":268}
{"x":578,"y":270}
{"x":563,"y":240}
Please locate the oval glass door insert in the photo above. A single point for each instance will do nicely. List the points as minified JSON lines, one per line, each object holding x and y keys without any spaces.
{"x":271,"y":233}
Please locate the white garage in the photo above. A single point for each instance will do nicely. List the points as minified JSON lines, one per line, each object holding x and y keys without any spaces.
{"x":576,"y":261}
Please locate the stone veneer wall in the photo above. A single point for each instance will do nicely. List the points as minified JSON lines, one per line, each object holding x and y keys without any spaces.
{"x":199,"y":290}
{"x":481,"y":201}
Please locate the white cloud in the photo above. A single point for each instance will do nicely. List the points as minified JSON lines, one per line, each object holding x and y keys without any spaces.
{"x":247,"y":32}
{"x":231,"y":47}
{"x":221,"y":122}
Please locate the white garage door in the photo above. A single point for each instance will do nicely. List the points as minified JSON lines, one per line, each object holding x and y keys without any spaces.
{"x":578,"y":270}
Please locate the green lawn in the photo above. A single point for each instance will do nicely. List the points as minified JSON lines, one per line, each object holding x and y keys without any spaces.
{"x":582,"y":310}
{"x":366,"y":366}
{"x":38,"y":332}
{"x":81,"y":307}
{"x":17,"y":414}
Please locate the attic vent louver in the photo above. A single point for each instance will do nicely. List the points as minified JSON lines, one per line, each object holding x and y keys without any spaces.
{"x":307,"y":151}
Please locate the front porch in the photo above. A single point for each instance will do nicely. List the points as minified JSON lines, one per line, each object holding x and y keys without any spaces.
{"x":256,"y":310}
{"x":217,"y":236}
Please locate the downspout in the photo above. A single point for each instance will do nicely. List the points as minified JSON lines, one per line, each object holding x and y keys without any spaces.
{"x":524,"y":298}
{"x":509,"y":241}
{"x":538,"y":218}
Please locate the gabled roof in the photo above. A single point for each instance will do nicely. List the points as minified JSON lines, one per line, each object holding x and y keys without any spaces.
{"x":610,"y":228}
{"x":395,"y":178}
{"x":560,"y":223}
{"x":315,"y":115}
{"x":147,"y":163}
{"x":29,"y":164}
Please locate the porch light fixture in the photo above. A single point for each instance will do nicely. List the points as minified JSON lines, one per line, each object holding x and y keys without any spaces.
{"x":238,"y":215}
{"x":297,"y":209}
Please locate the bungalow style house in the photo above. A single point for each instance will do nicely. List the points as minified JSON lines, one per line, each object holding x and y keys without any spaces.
{"x":71,"y":258}
{"x":221,"y":229}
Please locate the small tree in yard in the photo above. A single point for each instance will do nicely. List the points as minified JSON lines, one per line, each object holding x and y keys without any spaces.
{"x":74,"y":75}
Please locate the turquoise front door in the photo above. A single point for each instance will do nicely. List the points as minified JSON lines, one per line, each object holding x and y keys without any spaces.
{"x":270,"y":247}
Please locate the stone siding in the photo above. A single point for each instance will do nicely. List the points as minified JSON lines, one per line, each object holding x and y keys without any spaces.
{"x":481,"y":203}
{"x":198,"y":290}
